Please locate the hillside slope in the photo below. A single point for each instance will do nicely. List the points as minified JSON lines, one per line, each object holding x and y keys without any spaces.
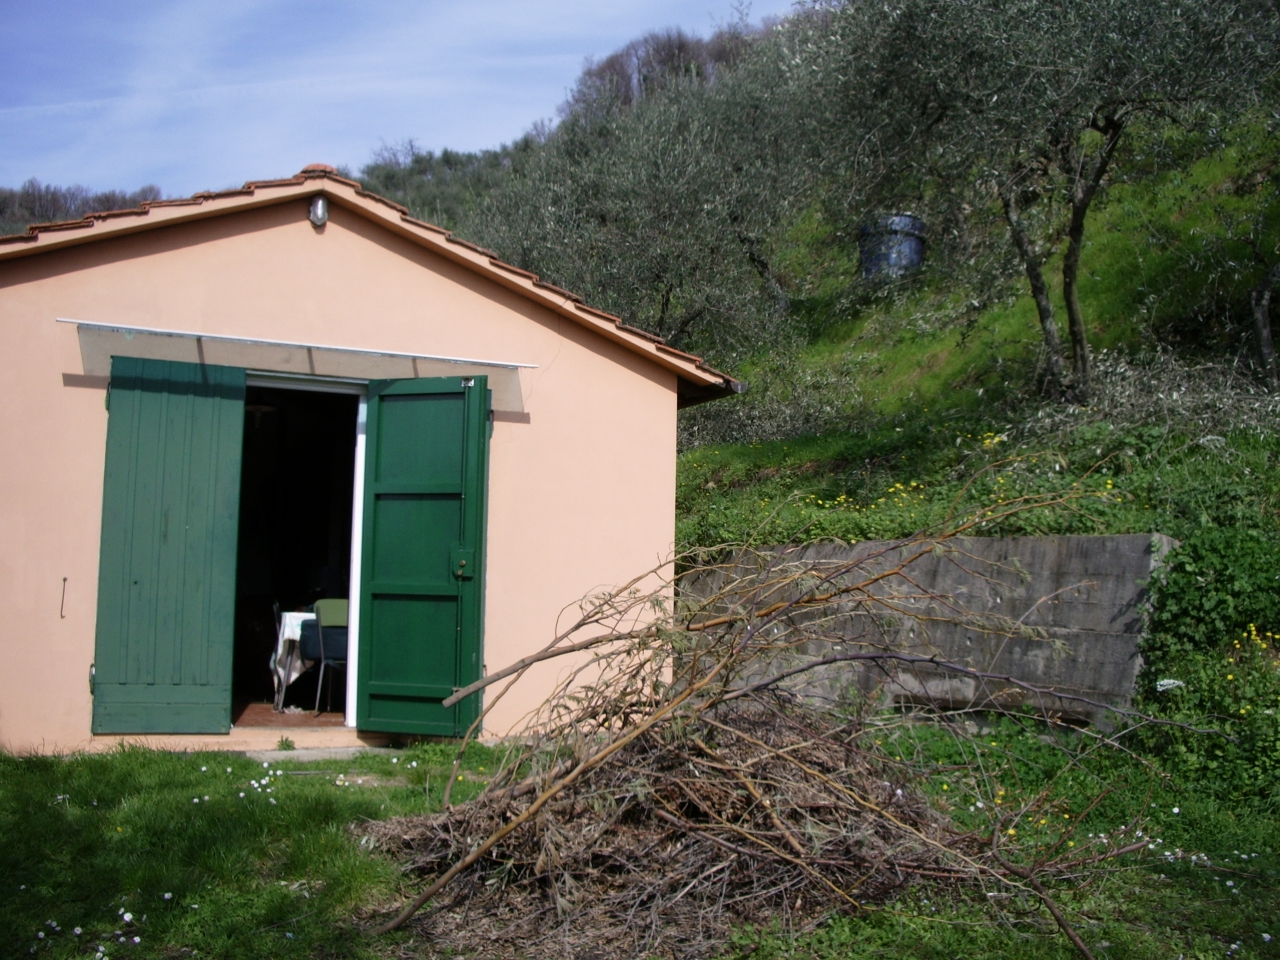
{"x":915,"y":397}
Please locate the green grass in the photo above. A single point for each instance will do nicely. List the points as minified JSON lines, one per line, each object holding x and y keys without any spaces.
{"x":89,"y":839}
{"x":893,"y":481}
{"x":1162,"y":910}
{"x":1163,"y":904}
{"x":912,"y":381}
{"x":925,"y":394}
{"x":266,"y":871}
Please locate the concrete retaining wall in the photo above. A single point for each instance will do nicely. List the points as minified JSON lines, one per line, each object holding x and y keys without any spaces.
{"x":1060,"y":613}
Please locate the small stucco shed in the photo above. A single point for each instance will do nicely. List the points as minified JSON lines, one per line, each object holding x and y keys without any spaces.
{"x":221,"y":408}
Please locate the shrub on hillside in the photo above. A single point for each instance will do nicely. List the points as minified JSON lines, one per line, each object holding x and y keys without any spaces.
{"x":1228,"y":699}
{"x":1214,"y":585}
{"x":1209,"y":666}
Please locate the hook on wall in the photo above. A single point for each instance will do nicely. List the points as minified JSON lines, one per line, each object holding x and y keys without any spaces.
{"x":62,"y":607}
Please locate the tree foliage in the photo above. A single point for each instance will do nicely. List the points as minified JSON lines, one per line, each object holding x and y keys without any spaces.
{"x":665,"y":212}
{"x":35,"y":202}
{"x":653,"y":63}
{"x":963,"y":107}
{"x":444,"y":188}
{"x":666,"y":191}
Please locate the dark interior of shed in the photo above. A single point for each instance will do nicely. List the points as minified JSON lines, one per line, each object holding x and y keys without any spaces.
{"x":296,"y":484}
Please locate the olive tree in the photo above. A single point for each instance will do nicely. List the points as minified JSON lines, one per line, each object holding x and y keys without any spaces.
{"x":444,"y":188}
{"x":1023,"y":104}
{"x":664,"y":209}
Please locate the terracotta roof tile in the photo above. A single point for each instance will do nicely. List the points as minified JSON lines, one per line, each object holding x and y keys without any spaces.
{"x":178,"y":202}
{"x":652,"y":337}
{"x":584,"y":308}
{"x":473,"y":246}
{"x":56,"y":225}
{"x":560,"y":291}
{"x":662,"y":345}
{"x":516,"y":270}
{"x":424,"y":225}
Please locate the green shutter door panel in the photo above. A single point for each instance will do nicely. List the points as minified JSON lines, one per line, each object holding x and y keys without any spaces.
{"x":422,"y":574}
{"x":166,"y":581}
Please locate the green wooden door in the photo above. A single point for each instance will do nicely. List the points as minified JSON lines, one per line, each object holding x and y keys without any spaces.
{"x":167,"y":572}
{"x":422,"y":575}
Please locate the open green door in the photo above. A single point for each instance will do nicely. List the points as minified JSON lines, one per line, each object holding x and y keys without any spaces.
{"x":167,"y":569}
{"x":422,"y":581}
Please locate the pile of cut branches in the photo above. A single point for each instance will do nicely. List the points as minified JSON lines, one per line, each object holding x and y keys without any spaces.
{"x":676,"y":786}
{"x":757,"y":811}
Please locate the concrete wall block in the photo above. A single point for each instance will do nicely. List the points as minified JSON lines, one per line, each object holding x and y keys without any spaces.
{"x":1062,"y":614}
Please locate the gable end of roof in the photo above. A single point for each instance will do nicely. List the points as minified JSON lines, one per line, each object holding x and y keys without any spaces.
{"x":698,"y":382}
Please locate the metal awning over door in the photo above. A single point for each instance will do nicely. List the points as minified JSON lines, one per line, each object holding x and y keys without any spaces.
{"x":99,"y":342}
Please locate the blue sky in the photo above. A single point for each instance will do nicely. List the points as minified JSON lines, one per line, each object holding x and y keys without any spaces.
{"x":205,"y":94}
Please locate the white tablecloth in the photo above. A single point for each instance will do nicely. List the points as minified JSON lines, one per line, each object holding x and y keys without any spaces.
{"x":287,"y":664}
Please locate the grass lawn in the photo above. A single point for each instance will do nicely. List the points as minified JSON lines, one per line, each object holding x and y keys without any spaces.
{"x":1210,"y":890}
{"x":92,"y":840}
{"x":150,"y":854}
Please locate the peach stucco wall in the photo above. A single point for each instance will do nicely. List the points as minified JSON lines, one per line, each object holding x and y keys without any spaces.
{"x":581,"y":496}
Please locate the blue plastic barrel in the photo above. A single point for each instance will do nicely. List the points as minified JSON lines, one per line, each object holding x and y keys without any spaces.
{"x":892,"y":246}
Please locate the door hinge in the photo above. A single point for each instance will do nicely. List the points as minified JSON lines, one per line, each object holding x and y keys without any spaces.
{"x":468,"y":382}
{"x":92,"y":670}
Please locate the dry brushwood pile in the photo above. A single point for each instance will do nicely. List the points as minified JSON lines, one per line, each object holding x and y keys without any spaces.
{"x":679,"y":783}
{"x":758,"y":811}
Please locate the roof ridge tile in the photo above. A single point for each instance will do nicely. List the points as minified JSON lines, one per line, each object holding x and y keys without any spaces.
{"x":641,"y":333}
{"x":667,"y":348}
{"x":60,"y":225}
{"x":147,"y":205}
{"x":138,"y":211}
{"x":422,"y":223}
{"x":587,"y":308}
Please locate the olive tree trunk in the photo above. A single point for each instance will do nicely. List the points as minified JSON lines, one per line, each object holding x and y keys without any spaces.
{"x":1033,"y":264}
{"x":1260,"y":297}
{"x":1084,"y":188}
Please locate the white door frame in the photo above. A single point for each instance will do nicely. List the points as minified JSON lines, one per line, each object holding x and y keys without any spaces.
{"x":357,"y":551}
{"x":359,"y":388}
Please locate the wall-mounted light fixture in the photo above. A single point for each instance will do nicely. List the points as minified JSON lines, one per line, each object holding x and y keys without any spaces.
{"x":319,"y":215}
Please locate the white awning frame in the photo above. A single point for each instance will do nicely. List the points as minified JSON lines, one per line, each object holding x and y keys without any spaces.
{"x":101,"y":341}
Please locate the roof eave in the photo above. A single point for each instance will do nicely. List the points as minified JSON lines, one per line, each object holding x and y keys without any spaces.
{"x":691,"y":394}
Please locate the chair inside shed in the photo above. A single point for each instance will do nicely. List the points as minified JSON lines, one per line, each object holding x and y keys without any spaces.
{"x":297,"y":478}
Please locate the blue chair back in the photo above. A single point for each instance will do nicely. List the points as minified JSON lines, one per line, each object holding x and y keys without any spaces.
{"x":335,"y":642}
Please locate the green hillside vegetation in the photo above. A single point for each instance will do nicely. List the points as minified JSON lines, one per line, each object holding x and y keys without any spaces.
{"x":717,"y":200}
{"x":899,"y":408}
{"x":443,"y":188}
{"x":1090,"y":331}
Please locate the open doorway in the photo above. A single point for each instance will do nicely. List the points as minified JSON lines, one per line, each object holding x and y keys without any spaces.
{"x":296,"y":487}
